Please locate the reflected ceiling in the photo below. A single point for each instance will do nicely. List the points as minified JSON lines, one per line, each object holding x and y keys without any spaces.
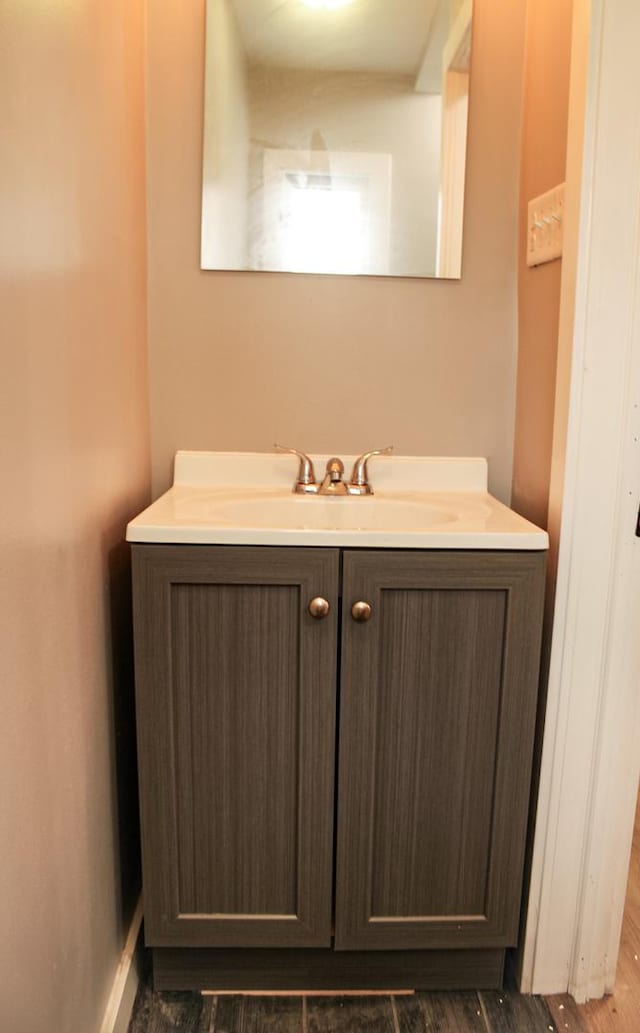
{"x":384,"y":36}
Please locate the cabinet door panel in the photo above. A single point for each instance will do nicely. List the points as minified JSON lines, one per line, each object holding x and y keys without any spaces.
{"x":236,"y":701}
{"x":236,"y":747}
{"x":438,"y":705}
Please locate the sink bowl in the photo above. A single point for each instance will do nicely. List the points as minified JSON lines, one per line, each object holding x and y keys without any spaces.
{"x":297,"y":512}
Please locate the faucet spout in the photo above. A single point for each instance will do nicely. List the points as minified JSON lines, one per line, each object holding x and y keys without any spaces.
{"x":333,"y":483}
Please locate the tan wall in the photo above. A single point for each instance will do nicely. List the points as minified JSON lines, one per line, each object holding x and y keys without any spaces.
{"x":544,"y":146}
{"x":553,"y":130}
{"x":240,"y":360}
{"x":575,"y":147}
{"x":74,"y":465}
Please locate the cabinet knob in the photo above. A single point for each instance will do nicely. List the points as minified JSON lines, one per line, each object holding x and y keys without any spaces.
{"x":361,"y":611}
{"x":319,"y":607}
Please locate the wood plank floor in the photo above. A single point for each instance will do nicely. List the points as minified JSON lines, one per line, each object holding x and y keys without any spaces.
{"x":414,"y":1013}
{"x":620,"y":1012}
{"x":483,"y":1012}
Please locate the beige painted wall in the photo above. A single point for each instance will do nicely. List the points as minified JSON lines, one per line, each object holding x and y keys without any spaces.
{"x":581,"y":25}
{"x":544,"y":147}
{"x":553,"y":130}
{"x":74,"y":464}
{"x":240,"y":360}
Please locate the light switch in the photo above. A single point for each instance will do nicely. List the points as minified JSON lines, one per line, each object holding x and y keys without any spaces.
{"x":545,"y":227}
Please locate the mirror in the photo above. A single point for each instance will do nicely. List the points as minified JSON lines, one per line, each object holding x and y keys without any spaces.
{"x":335,"y":136}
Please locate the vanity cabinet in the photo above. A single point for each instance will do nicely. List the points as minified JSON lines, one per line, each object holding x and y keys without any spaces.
{"x":328,"y":792}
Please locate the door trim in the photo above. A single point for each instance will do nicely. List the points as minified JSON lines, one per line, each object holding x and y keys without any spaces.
{"x":591,"y":755}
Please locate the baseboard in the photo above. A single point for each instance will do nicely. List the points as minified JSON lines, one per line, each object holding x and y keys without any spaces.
{"x":125,"y":985}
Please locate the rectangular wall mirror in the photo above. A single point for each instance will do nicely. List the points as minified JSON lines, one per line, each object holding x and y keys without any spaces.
{"x":335,"y":136}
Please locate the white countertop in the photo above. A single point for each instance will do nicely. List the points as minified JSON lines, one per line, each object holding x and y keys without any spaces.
{"x":246,"y":498}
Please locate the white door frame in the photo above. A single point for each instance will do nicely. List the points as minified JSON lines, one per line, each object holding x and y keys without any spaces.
{"x":591,"y":750}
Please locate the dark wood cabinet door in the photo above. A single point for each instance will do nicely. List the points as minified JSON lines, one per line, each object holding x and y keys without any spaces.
{"x":236,"y":686}
{"x":437,"y":713}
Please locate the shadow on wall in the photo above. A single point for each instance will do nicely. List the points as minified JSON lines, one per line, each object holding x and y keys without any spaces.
{"x":125,"y":767}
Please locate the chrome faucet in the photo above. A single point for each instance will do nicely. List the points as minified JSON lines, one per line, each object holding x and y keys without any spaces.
{"x":333,"y":484}
{"x":306,"y":483}
{"x":359,"y":483}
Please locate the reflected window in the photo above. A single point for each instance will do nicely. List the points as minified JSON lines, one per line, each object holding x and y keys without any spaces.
{"x":323,"y":226}
{"x":324,"y":221}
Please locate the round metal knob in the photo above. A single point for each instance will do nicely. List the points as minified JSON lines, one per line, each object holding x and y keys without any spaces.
{"x":319,"y":607}
{"x":361,"y":611}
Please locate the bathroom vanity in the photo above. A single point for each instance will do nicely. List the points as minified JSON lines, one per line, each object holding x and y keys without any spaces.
{"x":336,"y":712}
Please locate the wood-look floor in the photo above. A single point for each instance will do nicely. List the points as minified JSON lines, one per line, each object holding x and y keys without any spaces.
{"x":620,"y":1012}
{"x":483,"y":1012}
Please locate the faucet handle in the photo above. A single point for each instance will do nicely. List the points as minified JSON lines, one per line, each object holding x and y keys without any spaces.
{"x":359,"y":483}
{"x":306,"y":482}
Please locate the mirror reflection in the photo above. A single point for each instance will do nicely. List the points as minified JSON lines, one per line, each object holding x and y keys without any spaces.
{"x":335,"y":136}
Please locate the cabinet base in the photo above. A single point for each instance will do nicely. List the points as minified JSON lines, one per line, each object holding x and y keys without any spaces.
{"x":195,"y":968}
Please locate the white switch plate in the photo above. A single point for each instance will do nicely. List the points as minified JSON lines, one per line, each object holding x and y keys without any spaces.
{"x":545,"y":227}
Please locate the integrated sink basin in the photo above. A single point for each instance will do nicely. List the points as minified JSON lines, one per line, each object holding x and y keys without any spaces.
{"x":247,"y":499}
{"x":297,"y":512}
